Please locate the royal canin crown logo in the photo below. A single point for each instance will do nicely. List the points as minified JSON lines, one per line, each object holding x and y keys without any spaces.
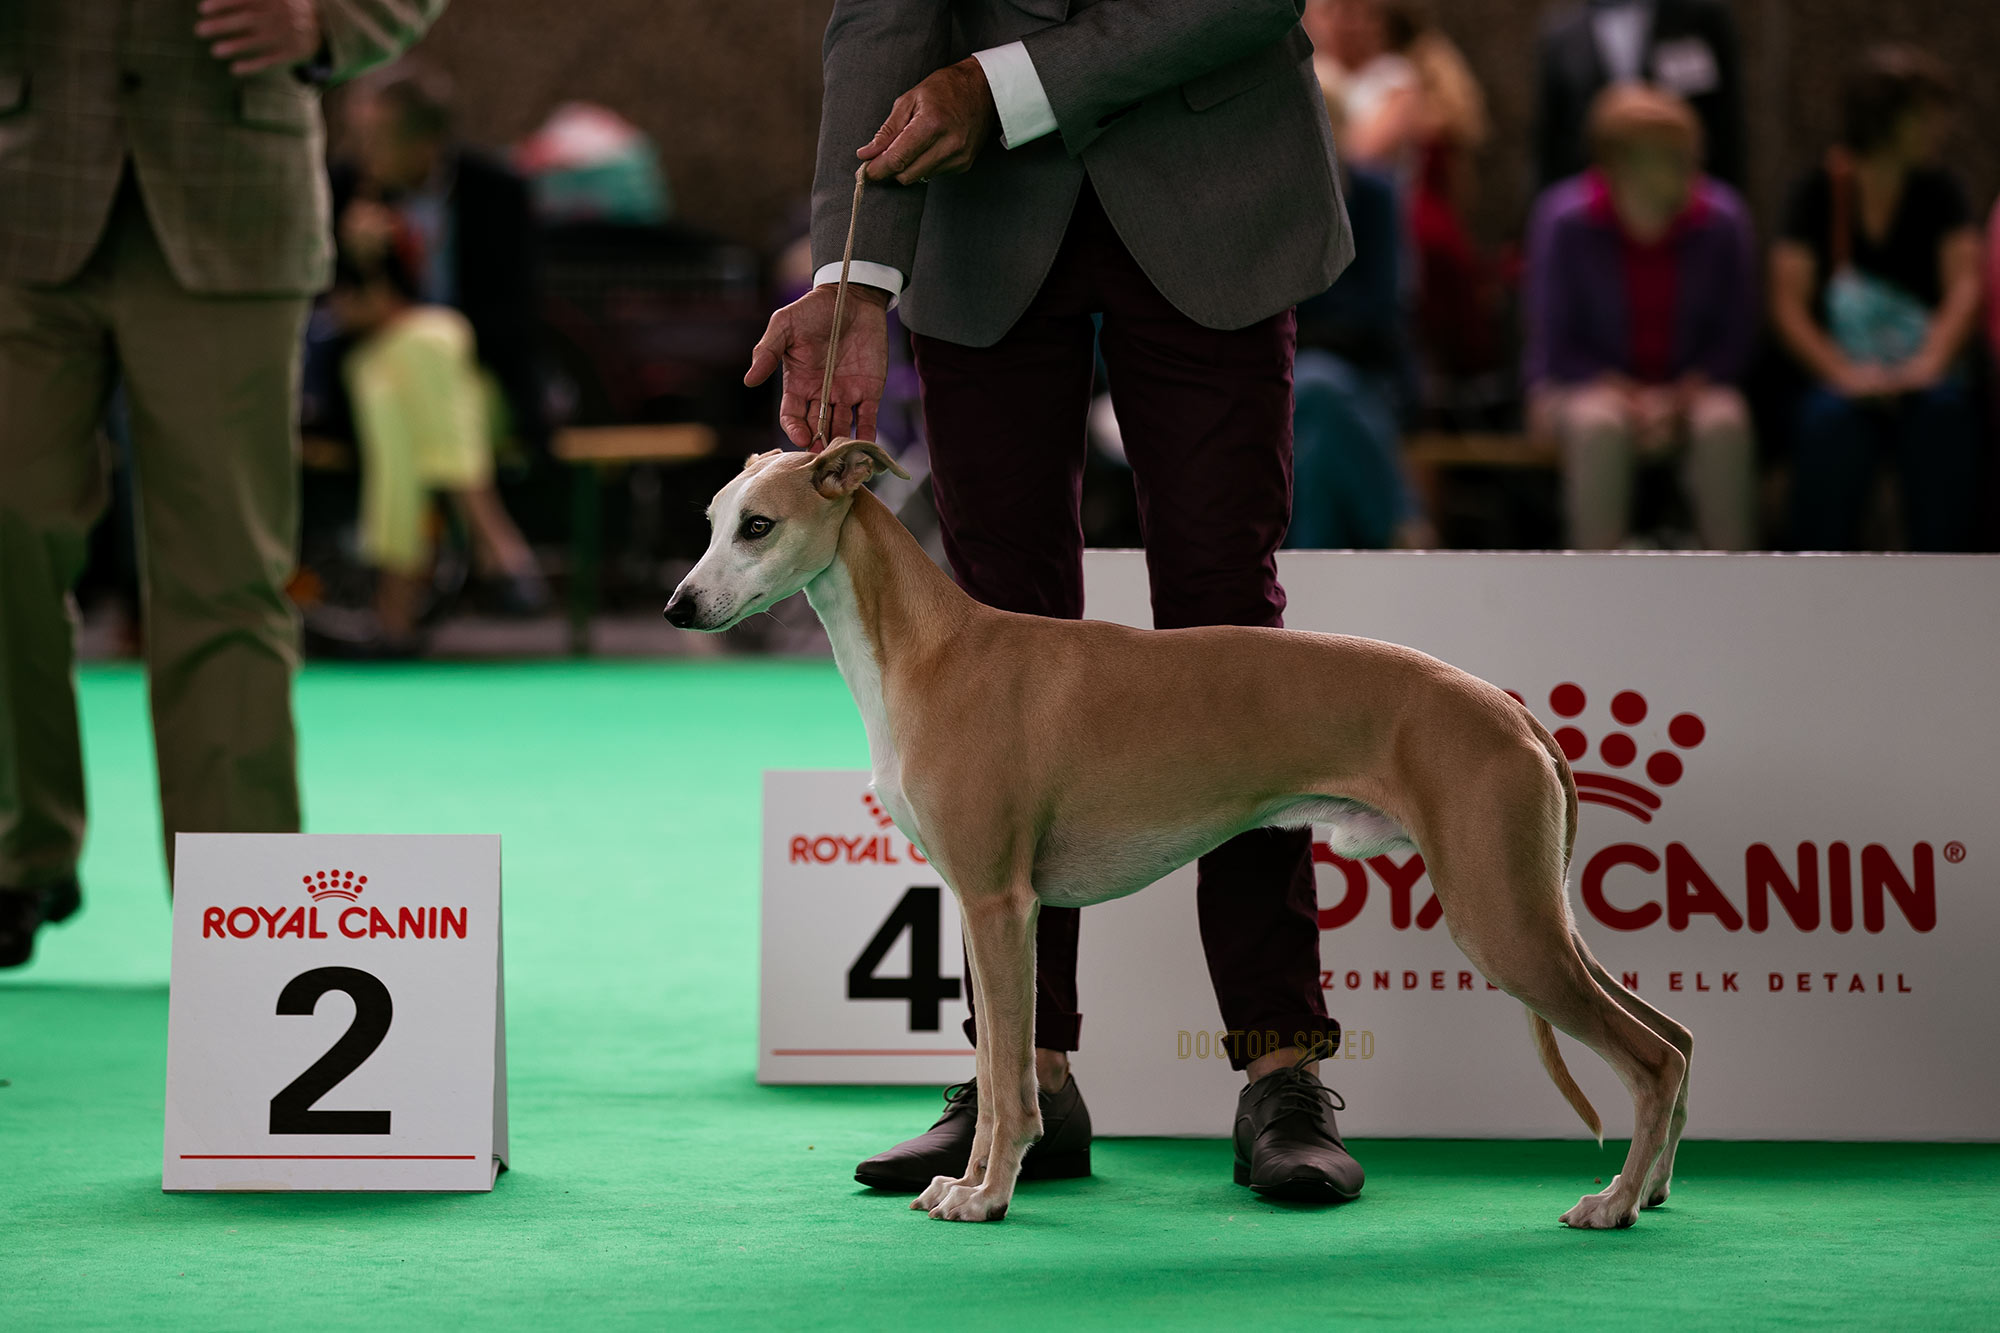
{"x":324,"y":884}
{"x":1617,"y":749}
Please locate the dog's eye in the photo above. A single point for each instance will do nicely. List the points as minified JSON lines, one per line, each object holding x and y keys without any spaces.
{"x":754,"y":527}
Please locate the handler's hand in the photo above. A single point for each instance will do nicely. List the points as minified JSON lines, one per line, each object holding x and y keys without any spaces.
{"x":796,"y":338}
{"x":256,"y":35}
{"x":935,"y":129}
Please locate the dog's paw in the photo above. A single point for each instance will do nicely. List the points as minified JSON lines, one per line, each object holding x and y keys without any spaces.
{"x":934,"y":1193}
{"x":1606,"y":1211}
{"x":966,"y":1203}
{"x":1657,"y":1195}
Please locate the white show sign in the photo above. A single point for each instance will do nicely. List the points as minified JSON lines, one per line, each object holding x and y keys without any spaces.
{"x":861,"y":977}
{"x":1787,"y":842}
{"x":336,"y":1019}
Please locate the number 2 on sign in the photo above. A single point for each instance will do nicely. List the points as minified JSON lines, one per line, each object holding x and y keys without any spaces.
{"x":916,"y":912}
{"x":291,"y":1109}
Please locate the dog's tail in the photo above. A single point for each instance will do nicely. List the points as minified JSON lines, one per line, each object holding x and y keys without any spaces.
{"x":1558,"y":1072}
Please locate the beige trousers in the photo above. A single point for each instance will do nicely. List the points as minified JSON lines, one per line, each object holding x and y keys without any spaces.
{"x":422,"y":414}
{"x":1605,"y":435}
{"x":212,"y":383}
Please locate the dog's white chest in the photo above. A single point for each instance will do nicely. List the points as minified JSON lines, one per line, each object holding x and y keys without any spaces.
{"x":832,"y":596}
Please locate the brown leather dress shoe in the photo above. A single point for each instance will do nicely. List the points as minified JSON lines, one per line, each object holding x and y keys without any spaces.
{"x":946,"y":1147}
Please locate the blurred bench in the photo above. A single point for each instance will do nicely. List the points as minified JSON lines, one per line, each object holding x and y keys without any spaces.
{"x":1479,"y":449}
{"x":590,"y":452}
{"x":1433,"y":454}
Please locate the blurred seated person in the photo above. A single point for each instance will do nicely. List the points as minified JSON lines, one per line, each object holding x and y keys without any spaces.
{"x":423,"y":416}
{"x":1875,"y":291}
{"x":1414,"y":111}
{"x":471,"y":215}
{"x":1641,"y":313}
{"x":1375,"y":84}
{"x":1350,"y":385}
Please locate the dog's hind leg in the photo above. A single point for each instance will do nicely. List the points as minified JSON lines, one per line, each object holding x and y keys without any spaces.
{"x":1000,"y":927}
{"x":1543,"y":971}
{"x":1500,"y":882}
{"x":1660,"y":1183}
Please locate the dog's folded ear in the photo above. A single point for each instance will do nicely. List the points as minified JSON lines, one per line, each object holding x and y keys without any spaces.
{"x":845,"y":466}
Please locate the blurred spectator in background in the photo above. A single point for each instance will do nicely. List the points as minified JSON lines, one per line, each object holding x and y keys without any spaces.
{"x":587,"y":163}
{"x":163,"y":224}
{"x":1684,"y":47}
{"x":1351,"y":384}
{"x":1413,"y":111}
{"x":471,"y":218}
{"x":1641,"y":314}
{"x":428,"y":351}
{"x":423,"y":416}
{"x":1875,"y":289}
{"x":1369,"y":74}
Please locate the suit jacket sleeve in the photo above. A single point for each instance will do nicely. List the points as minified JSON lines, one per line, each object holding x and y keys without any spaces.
{"x":1108,"y":58}
{"x":361,"y":34}
{"x":875,"y":51}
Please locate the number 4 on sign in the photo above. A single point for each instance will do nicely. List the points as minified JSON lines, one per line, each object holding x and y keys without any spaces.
{"x":336,"y":1019}
{"x":924,"y":988}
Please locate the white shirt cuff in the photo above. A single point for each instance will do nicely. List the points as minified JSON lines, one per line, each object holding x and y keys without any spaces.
{"x":862,"y":271}
{"x":1025,"y":113}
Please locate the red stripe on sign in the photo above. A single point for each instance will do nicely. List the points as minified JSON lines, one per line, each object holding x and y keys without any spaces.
{"x":963,"y":1050}
{"x":325,"y":1157}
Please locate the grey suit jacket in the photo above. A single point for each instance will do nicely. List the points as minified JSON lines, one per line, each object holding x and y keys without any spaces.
{"x":233,"y":170}
{"x":1198,"y":122}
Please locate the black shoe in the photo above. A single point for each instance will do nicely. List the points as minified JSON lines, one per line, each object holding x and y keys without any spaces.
{"x":20,"y":918}
{"x":945,"y":1148}
{"x":1287,"y":1146}
{"x":24,"y":911}
{"x":61,"y":899}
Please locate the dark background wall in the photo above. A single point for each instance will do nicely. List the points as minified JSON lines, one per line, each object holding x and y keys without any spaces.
{"x":730,"y":91}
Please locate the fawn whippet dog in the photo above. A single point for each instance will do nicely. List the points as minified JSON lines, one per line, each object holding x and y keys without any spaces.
{"x":1070,"y":762}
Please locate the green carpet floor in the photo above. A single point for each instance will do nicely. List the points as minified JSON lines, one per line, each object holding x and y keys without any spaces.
{"x":657,"y":1186}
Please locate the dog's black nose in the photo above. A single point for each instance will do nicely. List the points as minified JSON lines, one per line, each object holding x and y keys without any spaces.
{"x":681,"y":612}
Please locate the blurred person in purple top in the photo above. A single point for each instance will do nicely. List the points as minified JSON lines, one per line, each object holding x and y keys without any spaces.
{"x":1642,"y":308}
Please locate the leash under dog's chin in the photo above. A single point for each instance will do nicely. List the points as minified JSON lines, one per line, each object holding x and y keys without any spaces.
{"x":820,"y":437}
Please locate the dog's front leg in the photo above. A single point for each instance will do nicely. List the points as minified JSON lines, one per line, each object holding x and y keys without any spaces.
{"x":1000,"y":927}
{"x":982,"y":1132}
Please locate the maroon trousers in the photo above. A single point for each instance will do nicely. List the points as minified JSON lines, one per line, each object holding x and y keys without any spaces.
{"x":1207,"y":422}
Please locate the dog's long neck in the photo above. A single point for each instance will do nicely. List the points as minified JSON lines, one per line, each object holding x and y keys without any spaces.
{"x":884,"y":604}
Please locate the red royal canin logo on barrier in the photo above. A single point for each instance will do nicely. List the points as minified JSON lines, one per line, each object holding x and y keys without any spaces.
{"x":354,"y":923}
{"x":1630,"y":886}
